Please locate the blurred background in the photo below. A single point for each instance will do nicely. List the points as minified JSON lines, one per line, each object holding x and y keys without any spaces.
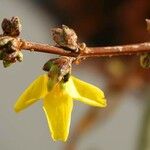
{"x":125,"y":123}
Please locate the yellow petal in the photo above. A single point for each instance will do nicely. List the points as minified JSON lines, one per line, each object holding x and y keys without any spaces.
{"x":85,"y":92}
{"x":36,"y":91}
{"x":58,"y":107}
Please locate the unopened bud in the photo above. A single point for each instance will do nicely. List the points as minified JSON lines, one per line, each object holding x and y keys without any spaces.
{"x":4,"y":40}
{"x":6,"y":26}
{"x":65,"y":37}
{"x":11,"y":27}
{"x":145,"y":60}
{"x":6,"y":63}
{"x":20,"y":56}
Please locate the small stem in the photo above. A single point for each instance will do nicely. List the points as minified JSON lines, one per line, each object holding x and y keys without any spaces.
{"x":120,"y":50}
{"x":90,"y":51}
{"x":44,"y":48}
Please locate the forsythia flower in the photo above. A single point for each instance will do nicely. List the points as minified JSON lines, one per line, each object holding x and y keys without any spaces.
{"x":58,"y":103}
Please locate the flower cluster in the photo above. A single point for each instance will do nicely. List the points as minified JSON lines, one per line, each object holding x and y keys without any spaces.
{"x":10,"y":42}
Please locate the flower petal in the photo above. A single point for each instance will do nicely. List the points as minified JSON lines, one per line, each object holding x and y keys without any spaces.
{"x":86,"y":92}
{"x":58,"y":107}
{"x":36,"y":91}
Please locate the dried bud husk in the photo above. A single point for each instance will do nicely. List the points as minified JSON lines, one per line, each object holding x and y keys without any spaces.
{"x":11,"y":27}
{"x":145,"y":60}
{"x":65,"y":37}
{"x":59,"y":69}
{"x":47,"y":66}
{"x":64,"y":65}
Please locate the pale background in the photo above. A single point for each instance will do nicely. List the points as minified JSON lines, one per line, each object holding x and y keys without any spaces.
{"x":28,"y":130}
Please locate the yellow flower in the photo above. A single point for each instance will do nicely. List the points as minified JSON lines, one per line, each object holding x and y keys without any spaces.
{"x":58,"y":103}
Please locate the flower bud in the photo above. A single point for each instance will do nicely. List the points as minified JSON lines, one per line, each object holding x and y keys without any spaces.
{"x":11,"y":27}
{"x":4,"y":41}
{"x":6,"y":63}
{"x":65,"y":37}
{"x":20,"y":56}
{"x":145,"y":60}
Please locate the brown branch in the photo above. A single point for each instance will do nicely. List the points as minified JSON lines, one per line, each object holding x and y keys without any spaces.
{"x":64,"y":37}
{"x":90,"y":51}
{"x":87,"y":52}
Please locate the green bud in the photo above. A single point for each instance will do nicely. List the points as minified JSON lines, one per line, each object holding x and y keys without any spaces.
{"x":145,"y":60}
{"x":4,"y":40}
{"x":6,"y":63}
{"x":20,"y":56}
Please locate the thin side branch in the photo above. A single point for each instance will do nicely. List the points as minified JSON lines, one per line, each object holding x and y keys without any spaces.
{"x":90,"y":51}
